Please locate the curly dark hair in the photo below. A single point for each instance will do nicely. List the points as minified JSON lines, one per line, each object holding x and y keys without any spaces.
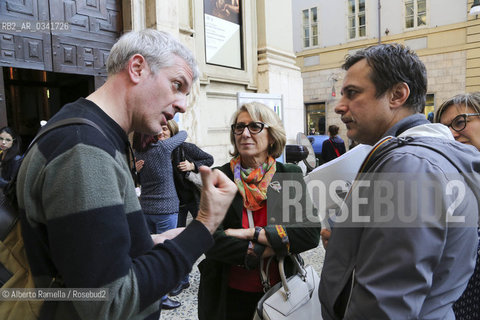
{"x":392,"y":64}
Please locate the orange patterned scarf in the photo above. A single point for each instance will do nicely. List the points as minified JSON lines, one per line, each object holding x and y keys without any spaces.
{"x":253,"y":182}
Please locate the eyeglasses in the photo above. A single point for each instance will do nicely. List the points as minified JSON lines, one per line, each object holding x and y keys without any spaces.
{"x":460,"y":122}
{"x":8,"y":140}
{"x":253,"y":127}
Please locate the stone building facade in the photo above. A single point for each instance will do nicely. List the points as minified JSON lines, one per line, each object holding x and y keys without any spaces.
{"x":443,"y":34}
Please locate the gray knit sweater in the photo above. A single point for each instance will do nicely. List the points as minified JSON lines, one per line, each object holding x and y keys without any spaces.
{"x":159,"y":195}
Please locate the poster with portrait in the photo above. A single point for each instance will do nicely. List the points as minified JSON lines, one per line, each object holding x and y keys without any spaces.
{"x":223,"y":25}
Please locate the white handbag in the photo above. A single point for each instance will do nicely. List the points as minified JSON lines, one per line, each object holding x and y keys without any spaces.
{"x":292,"y":298}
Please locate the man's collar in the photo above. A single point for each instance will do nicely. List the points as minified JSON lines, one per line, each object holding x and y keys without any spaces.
{"x":405,"y":124}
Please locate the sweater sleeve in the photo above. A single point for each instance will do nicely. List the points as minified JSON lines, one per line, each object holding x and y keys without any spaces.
{"x":98,"y":239}
{"x":171,"y":143}
{"x":197,"y":156}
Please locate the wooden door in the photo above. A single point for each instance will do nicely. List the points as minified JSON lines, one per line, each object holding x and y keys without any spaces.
{"x":20,"y":45}
{"x":59,"y":35}
{"x":94,"y":27}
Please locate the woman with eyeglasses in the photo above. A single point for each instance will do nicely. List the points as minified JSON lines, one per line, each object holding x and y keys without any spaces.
{"x":10,"y":157}
{"x":230,"y":285}
{"x":462,"y":115}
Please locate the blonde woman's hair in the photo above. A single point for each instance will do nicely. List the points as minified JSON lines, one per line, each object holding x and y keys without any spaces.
{"x":471,"y":100}
{"x":260,"y":112}
{"x":173,"y":127}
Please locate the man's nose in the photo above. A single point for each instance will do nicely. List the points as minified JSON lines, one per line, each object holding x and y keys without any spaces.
{"x":341,"y":107}
{"x":180,"y":105}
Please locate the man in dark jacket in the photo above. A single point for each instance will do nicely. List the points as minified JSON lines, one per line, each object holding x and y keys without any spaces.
{"x":334,"y":146}
{"x":406,"y":246}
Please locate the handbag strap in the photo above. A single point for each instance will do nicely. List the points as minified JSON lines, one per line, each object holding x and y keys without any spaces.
{"x":302,"y":273}
{"x":264,"y":275}
{"x":334,"y":148}
{"x":251,"y":224}
{"x":300,"y":270}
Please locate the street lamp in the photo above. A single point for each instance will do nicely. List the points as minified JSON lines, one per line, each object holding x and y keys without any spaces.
{"x":475,"y":10}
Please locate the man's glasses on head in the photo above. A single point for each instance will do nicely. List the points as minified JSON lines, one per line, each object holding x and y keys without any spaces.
{"x":253,"y":127}
{"x":460,"y":122}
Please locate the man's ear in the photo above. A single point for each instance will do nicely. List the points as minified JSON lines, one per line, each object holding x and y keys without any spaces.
{"x":399,"y":95}
{"x":136,"y":66}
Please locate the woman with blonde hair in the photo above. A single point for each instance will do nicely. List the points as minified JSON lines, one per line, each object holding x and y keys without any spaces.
{"x":230,"y":285}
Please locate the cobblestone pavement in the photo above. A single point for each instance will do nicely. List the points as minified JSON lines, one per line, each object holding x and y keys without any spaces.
{"x":188,"y":298}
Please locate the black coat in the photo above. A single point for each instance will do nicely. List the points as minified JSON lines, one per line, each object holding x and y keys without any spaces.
{"x":9,"y":169}
{"x":187,"y":191}
{"x":328,"y":151}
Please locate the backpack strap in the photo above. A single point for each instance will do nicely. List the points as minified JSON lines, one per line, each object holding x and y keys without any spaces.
{"x":399,"y":142}
{"x":385,"y":146}
{"x":61,"y":123}
{"x":8,"y":205}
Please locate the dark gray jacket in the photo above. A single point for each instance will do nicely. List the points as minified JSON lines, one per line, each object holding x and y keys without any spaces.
{"x":396,"y":257}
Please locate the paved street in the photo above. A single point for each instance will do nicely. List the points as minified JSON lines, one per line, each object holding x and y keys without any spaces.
{"x":188,"y":297}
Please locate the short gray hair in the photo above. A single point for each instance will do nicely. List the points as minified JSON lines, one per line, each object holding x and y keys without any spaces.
{"x":260,"y":112}
{"x":157,"y":47}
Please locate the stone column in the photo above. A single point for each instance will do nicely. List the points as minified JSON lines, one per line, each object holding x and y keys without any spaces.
{"x":277,"y":72}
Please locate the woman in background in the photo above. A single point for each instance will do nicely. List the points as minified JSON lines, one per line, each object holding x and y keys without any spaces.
{"x":186,"y":159}
{"x":462,"y":115}
{"x":10,"y":157}
{"x":158,"y":196}
{"x":334,"y":146}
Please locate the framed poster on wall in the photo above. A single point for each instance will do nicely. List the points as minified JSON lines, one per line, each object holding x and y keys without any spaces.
{"x":223,"y":29}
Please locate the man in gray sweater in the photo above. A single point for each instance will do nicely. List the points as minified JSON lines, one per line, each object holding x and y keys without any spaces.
{"x":83,"y":224}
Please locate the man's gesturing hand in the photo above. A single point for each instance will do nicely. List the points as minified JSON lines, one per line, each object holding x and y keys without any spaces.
{"x":217,"y":194}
